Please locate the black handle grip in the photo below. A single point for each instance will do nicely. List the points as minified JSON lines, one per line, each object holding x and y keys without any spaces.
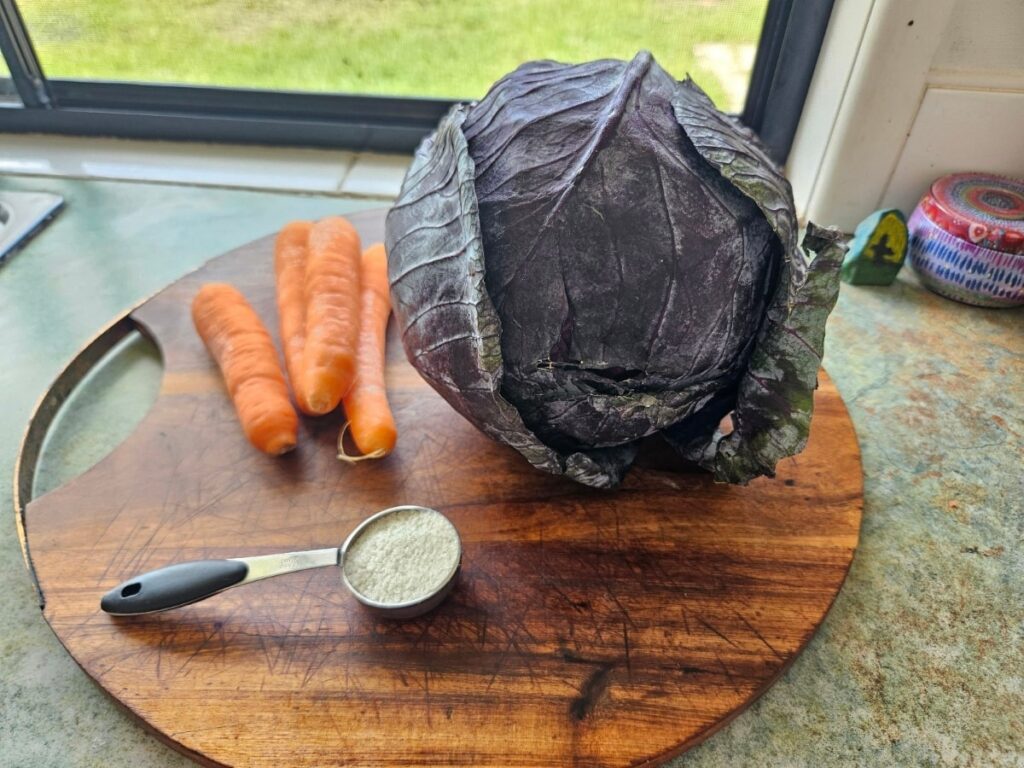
{"x":173,"y":586}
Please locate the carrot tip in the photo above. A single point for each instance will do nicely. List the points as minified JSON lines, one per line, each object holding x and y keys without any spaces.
{"x":275,"y":450}
{"x":318,"y":407}
{"x":348,"y":458}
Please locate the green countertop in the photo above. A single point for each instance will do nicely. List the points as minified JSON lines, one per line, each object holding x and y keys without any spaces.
{"x":920,"y":662}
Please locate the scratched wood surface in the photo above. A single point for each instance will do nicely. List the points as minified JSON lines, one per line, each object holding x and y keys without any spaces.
{"x":587,"y":629}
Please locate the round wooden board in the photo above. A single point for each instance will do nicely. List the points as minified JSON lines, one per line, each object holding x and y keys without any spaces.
{"x":588,"y":628}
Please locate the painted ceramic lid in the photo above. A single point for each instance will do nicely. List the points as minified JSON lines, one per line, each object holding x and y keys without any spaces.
{"x":981,"y":208}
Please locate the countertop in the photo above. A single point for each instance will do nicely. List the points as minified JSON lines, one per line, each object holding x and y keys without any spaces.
{"x":919,"y":663}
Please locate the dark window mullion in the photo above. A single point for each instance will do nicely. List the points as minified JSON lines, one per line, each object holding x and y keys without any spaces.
{"x":786,"y":57}
{"x":16,"y":46}
{"x":772,"y":33}
{"x":245,"y":102}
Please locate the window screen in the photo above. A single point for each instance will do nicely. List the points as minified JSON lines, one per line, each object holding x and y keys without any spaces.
{"x":436,"y":48}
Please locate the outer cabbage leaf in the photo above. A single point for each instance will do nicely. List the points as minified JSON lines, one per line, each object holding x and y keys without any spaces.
{"x":775,"y":399}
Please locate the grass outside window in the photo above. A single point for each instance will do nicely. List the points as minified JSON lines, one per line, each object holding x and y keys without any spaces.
{"x":442,"y":48}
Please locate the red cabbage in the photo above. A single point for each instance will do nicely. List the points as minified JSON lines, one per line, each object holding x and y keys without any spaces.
{"x":593,"y":254}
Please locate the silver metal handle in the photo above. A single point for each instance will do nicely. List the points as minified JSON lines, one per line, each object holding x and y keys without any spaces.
{"x":265,"y":566}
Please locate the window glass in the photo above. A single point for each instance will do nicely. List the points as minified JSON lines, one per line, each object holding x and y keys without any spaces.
{"x":440,"y":48}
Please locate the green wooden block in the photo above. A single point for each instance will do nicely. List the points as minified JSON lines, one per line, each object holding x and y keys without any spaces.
{"x":877,"y":250}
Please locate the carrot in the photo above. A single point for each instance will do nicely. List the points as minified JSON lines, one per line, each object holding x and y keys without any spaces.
{"x":290,"y":270}
{"x":366,"y":405}
{"x":332,"y":313}
{"x":240,"y":344}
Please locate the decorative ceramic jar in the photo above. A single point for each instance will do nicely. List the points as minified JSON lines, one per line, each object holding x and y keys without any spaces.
{"x":967,"y":239}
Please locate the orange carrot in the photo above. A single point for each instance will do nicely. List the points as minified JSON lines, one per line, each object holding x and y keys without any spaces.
{"x":366,"y":405}
{"x":240,"y":344}
{"x":332,"y":313}
{"x":290,"y":270}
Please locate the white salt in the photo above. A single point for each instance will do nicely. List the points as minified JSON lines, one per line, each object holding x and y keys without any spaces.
{"x":403,"y":556}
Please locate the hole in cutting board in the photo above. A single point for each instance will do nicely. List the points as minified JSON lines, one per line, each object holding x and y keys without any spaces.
{"x":105,"y":407}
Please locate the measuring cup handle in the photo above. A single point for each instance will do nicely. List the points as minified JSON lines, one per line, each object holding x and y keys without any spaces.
{"x":173,"y":586}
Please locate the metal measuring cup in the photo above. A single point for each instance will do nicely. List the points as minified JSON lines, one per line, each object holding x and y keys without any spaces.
{"x":185,"y":583}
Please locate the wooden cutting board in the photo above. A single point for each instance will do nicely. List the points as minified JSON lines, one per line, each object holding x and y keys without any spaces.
{"x":588,"y":628}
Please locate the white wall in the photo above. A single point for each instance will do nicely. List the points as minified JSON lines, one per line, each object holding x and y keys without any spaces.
{"x":983,"y":42}
{"x":895,"y":104}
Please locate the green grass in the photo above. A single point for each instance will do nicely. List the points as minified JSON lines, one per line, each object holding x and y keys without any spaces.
{"x":453,"y":48}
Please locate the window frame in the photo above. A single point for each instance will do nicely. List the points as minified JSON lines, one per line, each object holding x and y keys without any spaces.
{"x":790,"y":41}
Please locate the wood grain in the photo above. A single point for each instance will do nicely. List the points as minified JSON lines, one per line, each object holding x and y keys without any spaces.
{"x":588,"y":628}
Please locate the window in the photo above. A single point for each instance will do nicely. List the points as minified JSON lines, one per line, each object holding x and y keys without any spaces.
{"x":363,"y":73}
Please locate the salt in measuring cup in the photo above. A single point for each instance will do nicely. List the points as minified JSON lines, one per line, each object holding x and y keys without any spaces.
{"x":375,"y":572}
